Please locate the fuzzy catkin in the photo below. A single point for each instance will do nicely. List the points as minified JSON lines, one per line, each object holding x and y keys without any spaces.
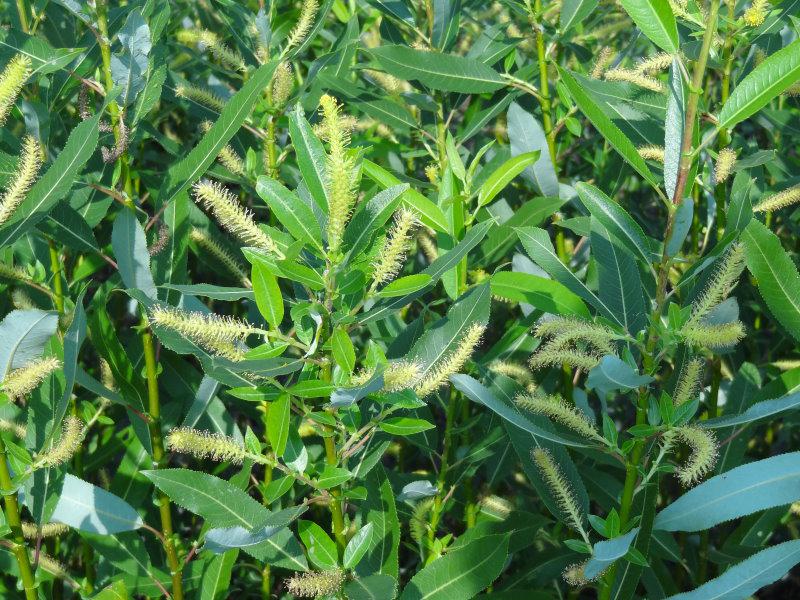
{"x":12,"y":79}
{"x":204,"y":444}
{"x":214,"y":333}
{"x":201,"y":96}
{"x":557,"y":409}
{"x":393,"y":252}
{"x":21,"y":382}
{"x":689,"y":381}
{"x":559,"y":487}
{"x":704,"y":452}
{"x":635,"y":78}
{"x":451,"y":364}
{"x":779,"y":200}
{"x":32,"y":531}
{"x":205,"y":242}
{"x":314,"y":584}
{"x":723,"y":281}
{"x":726,"y":161}
{"x":23,"y":178}
{"x":651,"y":152}
{"x":304,"y":22}
{"x":65,"y":448}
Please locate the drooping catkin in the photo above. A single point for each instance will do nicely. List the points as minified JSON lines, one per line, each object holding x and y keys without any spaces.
{"x":651,"y":152}
{"x":227,"y":57}
{"x":779,"y":200}
{"x":18,"y":429}
{"x":726,"y":161}
{"x":304,"y":22}
{"x":496,"y":506}
{"x":563,"y":331}
{"x":217,"y":334}
{"x":552,"y":357}
{"x":339,"y":170}
{"x":22,"y":381}
{"x":232,"y":216}
{"x":204,"y":444}
{"x":205,"y":242}
{"x":601,"y":63}
{"x":65,"y":448}
{"x":689,"y":381}
{"x":418,"y":524}
{"x":392,"y":255}
{"x":22,"y":179}
{"x":202,"y":96}
{"x":12,"y":79}
{"x":227,"y":157}
{"x":517,"y":371}
{"x":703,"y":456}
{"x":314,"y":584}
{"x":15,"y":273}
{"x":560,"y":488}
{"x":52,"y":566}
{"x":721,"y":284}
{"x":557,"y":409}
{"x":32,"y":531}
{"x":635,"y":78}
{"x":452,"y":363}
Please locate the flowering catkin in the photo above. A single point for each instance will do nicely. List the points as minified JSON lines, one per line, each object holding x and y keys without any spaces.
{"x":726,"y":160}
{"x":514,"y":370}
{"x":31,"y":531}
{"x":564,"y":331}
{"x":282,"y":84}
{"x":756,"y":13}
{"x":654,"y":64}
{"x":230,"y":214}
{"x":227,"y":57}
{"x":64,"y":449}
{"x":651,"y":152}
{"x":314,"y":584}
{"x":560,"y":488}
{"x":21,"y":382}
{"x":12,"y":79}
{"x":227,"y":157}
{"x":779,"y":200}
{"x":634,"y":77}
{"x":307,"y":12}
{"x":689,"y":380}
{"x":721,"y":284}
{"x":339,"y":170}
{"x":401,"y":375}
{"x":23,"y":178}
{"x":557,"y":409}
{"x":201,"y":96}
{"x":215,"y":333}
{"x":392,"y":255}
{"x":714,"y":336}
{"x":603,"y":60}
{"x":213,"y":247}
{"x":451,"y":364}
{"x":704,"y":450}
{"x":203,"y":444}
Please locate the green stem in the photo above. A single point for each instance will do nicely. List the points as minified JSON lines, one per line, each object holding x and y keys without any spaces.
{"x":441,"y":482}
{"x":544,"y":85}
{"x":15,"y":524}
{"x":266,"y":572}
{"x":55,"y":267}
{"x":22,"y":9}
{"x":154,"y":410}
{"x":337,"y":516}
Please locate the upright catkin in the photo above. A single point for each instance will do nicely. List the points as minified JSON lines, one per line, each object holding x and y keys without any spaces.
{"x":22,"y":179}
{"x":12,"y":79}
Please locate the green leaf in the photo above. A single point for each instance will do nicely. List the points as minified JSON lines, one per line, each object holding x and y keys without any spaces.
{"x":311,"y":157}
{"x":55,"y":184}
{"x":130,"y":249}
{"x":769,"y":79}
{"x":68,"y":226}
{"x":499,"y":179}
{"x":344,"y":353}
{"x":618,"y":140}
{"x":655,"y":19}
{"x":405,"y":285}
{"x":673,"y":126}
{"x":219,"y":502}
{"x":268,"y":294}
{"x":438,"y":71}
{"x":547,"y":295}
{"x":88,"y":508}
{"x":525,"y":134}
{"x":574,"y":12}
{"x":775,"y":273}
{"x":613,"y":373}
{"x":278,"y":423}
{"x":428,"y":212}
{"x":757,"y":412}
{"x":743,"y":579}
{"x":217,"y":576}
{"x":404,"y":425}
{"x":773,"y":481}
{"x":333,"y":476}
{"x":371,"y":587}
{"x":189,"y":169}
{"x":461,"y":573}
{"x":357,"y":546}
{"x":321,"y":548}
{"x":380,"y":510}
{"x":291,"y":211}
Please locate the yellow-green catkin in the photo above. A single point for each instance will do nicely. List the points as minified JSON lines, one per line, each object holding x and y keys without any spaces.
{"x":560,"y":488}
{"x":654,"y":64}
{"x":401,"y":375}
{"x":227,"y":157}
{"x":304,"y":22}
{"x":635,"y":78}
{"x":216,"y":334}
{"x":232,"y":216}
{"x":726,"y":161}
{"x":282,"y":85}
{"x":392,"y":255}
{"x":418,"y":524}
{"x":517,"y":371}
{"x":21,"y":300}
{"x":557,"y":409}
{"x":779,"y":200}
{"x":703,"y":456}
{"x":552,"y":357}
{"x":314,"y":584}
{"x":452,"y":363}
{"x":23,"y":178}
{"x":651,"y":152}
{"x":563,"y":331}
{"x":21,"y":382}
{"x":428,"y":246}
{"x":203,"y":444}
{"x":496,"y":507}
{"x":689,"y":381}
{"x":12,"y":79}
{"x":15,"y":273}
{"x":339,"y":166}
{"x":756,"y":13}
{"x":227,"y":57}
{"x":202,"y":96}
{"x":714,"y":336}
{"x":17,"y":429}
{"x":32,"y":531}
{"x":52,"y":566}
{"x":722,"y":283}
{"x":603,"y":60}
{"x":205,"y":242}
{"x":65,"y":448}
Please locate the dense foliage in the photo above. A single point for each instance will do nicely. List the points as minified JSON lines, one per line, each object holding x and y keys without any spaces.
{"x":425,"y":299}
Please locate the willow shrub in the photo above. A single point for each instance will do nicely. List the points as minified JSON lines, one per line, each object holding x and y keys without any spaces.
{"x":377,"y":299}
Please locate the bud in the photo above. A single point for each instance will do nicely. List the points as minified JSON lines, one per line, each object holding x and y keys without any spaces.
{"x":21,"y":382}
{"x":22,"y":179}
{"x":452,"y":364}
{"x":12,"y":79}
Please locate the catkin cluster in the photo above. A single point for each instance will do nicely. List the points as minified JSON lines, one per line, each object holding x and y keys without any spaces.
{"x":575,"y":342}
